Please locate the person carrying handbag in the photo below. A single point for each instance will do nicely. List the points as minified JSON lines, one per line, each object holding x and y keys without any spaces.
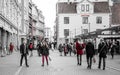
{"x":102,"y":50}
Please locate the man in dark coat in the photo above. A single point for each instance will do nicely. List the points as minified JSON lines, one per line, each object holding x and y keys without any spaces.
{"x":60,"y":48}
{"x":102,"y":50}
{"x":90,"y":51}
{"x":24,"y":53}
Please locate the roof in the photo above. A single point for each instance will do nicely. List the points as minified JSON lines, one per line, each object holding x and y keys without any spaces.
{"x":116,"y":1}
{"x":67,"y":8}
{"x":101,"y":7}
{"x":116,"y":13}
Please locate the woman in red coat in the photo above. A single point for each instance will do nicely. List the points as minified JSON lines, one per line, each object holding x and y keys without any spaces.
{"x":79,"y":49}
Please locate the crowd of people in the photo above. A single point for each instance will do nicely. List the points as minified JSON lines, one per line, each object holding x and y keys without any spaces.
{"x":79,"y":48}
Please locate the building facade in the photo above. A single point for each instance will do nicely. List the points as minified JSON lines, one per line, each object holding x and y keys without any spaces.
{"x":75,"y":17}
{"x":37,"y":24}
{"x":19,"y":20}
{"x":48,"y":34}
{"x":10,"y":23}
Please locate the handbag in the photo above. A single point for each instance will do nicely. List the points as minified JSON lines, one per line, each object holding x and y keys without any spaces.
{"x":94,"y":60}
{"x":50,"y":58}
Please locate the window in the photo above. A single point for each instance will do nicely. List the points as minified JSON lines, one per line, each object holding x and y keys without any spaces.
{"x":99,"y":20}
{"x":87,"y":7}
{"x":66,"y":20}
{"x":85,"y":20}
{"x":82,"y":7}
{"x":66,"y":32}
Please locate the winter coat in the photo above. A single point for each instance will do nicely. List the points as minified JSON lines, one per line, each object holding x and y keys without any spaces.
{"x":39,"y":47}
{"x":69,"y":47}
{"x":102,"y":50}
{"x":90,"y":51}
{"x":44,"y":50}
{"x":30,"y":47}
{"x":79,"y":48}
{"x":113,"y":48}
{"x":65,"y":49}
{"x":11,"y":47}
{"x":22,"y":48}
{"x":60,"y":48}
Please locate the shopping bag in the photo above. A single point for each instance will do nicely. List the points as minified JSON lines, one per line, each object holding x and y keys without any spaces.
{"x":94,"y":60}
{"x":50,"y":58}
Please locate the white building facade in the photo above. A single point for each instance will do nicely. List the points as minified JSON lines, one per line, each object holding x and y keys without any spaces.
{"x":37,"y":24}
{"x":75,"y":17}
{"x":48,"y":34}
{"x":11,"y":27}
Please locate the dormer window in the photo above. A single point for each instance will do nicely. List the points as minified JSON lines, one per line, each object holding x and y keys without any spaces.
{"x":87,"y":7}
{"x":82,"y":7}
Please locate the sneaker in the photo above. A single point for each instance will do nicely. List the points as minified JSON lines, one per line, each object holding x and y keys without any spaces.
{"x":98,"y":67}
{"x":80,"y":64}
{"x":27,"y":65}
{"x":87,"y":67}
{"x":42,"y":65}
{"x":103,"y":68}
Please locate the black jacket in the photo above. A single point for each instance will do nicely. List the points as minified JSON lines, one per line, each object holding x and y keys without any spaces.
{"x":102,"y":50}
{"x":44,"y":50}
{"x":90,"y":51}
{"x":22,"y":47}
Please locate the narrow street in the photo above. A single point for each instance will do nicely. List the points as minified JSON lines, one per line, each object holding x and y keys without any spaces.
{"x":60,"y":65}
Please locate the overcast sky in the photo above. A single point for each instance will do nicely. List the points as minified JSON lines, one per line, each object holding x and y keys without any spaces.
{"x":48,"y":7}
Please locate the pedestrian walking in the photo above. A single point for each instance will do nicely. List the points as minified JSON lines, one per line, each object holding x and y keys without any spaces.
{"x":90,"y":52}
{"x":31,"y":49}
{"x":117,"y":47}
{"x":69,"y":47}
{"x":65,"y":49}
{"x":24,"y":53}
{"x":113,"y":49}
{"x":79,"y":50}
{"x":39,"y":49}
{"x":74,"y":48}
{"x":11,"y":47}
{"x":102,"y":50}
{"x":45,"y":52}
{"x":60,"y":48}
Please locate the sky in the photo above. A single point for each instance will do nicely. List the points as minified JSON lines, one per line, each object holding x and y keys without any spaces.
{"x":48,"y":8}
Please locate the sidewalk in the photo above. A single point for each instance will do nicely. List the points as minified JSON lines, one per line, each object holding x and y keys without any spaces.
{"x":9,"y":64}
{"x":113,"y":63}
